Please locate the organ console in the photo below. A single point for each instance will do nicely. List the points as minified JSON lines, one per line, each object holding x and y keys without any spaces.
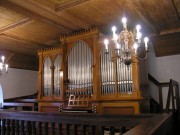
{"x":81,"y":67}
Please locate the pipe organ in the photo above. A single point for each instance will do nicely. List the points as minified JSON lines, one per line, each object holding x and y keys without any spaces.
{"x":80,"y":68}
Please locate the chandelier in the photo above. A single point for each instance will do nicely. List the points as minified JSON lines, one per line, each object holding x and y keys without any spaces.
{"x":128,"y":43}
{"x":3,"y":67}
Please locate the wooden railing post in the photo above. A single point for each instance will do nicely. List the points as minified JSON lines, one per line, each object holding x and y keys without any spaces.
{"x":52,"y":128}
{"x":7,"y":127}
{"x":46,"y":128}
{"x":83,"y":129}
{"x":28,"y":127}
{"x":67,"y":129}
{"x":3,"y":126}
{"x":33,"y":127}
{"x":17,"y":127}
{"x":160,"y":97}
{"x":60,"y":128}
{"x":75,"y":130}
{"x":13,"y":127}
{"x":177,"y":96}
{"x":92,"y":130}
{"x":39,"y":128}
{"x":22,"y":127}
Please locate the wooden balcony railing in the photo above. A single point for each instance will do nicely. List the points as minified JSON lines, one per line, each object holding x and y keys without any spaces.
{"x":38,"y":123}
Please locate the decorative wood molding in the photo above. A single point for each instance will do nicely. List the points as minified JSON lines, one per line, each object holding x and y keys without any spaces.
{"x":79,"y":35}
{"x":68,"y":3}
{"x":15,"y":25}
{"x":20,"y":10}
{"x":49,"y":50}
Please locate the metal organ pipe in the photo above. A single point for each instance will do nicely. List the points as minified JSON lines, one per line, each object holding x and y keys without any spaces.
{"x":124,"y":76}
{"x":79,"y":69}
{"x":107,"y":74}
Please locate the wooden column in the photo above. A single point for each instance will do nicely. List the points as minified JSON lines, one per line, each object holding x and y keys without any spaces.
{"x":40,"y":74}
{"x":96,"y":68}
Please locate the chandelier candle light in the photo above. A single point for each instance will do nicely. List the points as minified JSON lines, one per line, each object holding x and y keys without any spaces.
{"x":126,"y":45}
{"x":3,"y":67}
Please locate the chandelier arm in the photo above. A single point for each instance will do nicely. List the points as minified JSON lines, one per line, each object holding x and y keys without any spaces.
{"x":144,"y":57}
{"x":119,"y":60}
{"x":107,"y":56}
{"x":3,"y":76}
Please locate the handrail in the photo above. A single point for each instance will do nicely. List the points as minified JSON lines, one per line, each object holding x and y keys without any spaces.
{"x":153,"y":80}
{"x":13,"y":122}
{"x":175,"y":96}
{"x":157,"y":83}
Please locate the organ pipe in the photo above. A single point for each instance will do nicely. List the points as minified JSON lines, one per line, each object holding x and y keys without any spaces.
{"x":79,"y":69}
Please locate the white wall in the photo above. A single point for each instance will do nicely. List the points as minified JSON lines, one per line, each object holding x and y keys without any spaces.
{"x":19,"y":82}
{"x":163,"y":69}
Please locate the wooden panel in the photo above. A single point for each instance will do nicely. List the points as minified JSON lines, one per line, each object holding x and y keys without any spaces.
{"x":168,"y":44}
{"x":35,"y":32}
{"x":46,"y":8}
{"x":22,"y":61}
{"x":157,"y":13}
{"x":8,"y":17}
{"x":11,"y":44}
{"x":123,"y":107}
{"x":19,"y":9}
{"x":48,"y":106}
{"x":118,"y":110}
{"x":49,"y":109}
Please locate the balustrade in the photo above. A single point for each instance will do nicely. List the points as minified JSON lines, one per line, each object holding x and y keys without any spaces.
{"x":38,"y":123}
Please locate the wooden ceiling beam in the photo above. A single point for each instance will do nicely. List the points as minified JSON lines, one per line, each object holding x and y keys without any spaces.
{"x":68,"y":3}
{"x":176,"y":4}
{"x":168,"y":44}
{"x":169,"y":31}
{"x":34,"y":44}
{"x":25,"y":12}
{"x":15,"y":25}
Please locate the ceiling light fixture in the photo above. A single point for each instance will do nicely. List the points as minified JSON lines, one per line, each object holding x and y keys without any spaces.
{"x":128,"y":43}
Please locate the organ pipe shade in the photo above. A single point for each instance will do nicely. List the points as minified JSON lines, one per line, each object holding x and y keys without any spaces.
{"x":47,"y":77}
{"x":79,"y":68}
{"x":57,"y":66}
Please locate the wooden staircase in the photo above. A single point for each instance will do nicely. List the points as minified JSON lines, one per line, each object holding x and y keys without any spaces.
{"x":172,"y":98}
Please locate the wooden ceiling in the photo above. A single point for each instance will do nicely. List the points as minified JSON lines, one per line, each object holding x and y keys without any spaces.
{"x":29,"y":25}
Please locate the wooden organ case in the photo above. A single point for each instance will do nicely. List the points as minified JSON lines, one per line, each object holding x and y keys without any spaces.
{"x":81,"y":67}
